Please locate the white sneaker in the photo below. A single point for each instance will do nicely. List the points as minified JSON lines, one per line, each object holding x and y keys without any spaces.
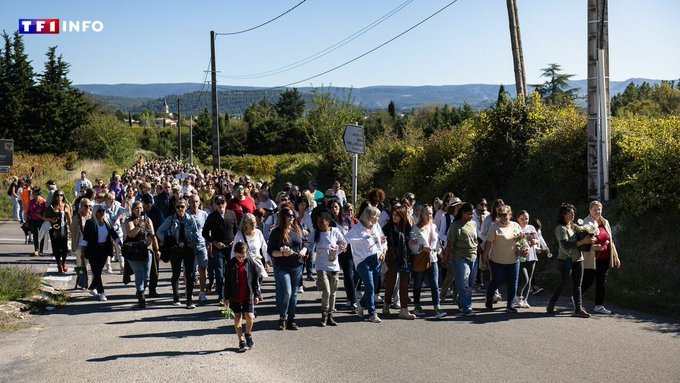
{"x":202,"y":297}
{"x":360,"y":310}
{"x":601,"y":310}
{"x":301,"y":289}
{"x":102,"y":297}
{"x":378,"y":299}
{"x":177,"y":303}
{"x":526,"y":304}
{"x":94,"y":293}
{"x":121,"y":271}
{"x":375,"y":318}
{"x":497,"y":297}
{"x":191,"y":306}
{"x":109,"y":270}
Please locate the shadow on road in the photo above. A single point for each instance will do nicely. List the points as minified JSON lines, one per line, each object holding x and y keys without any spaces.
{"x":159,"y":354}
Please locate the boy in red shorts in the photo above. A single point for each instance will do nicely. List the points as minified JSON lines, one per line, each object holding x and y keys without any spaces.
{"x":242,"y":292}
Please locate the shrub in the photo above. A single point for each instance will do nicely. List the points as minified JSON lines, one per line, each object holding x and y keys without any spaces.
{"x":18,"y":283}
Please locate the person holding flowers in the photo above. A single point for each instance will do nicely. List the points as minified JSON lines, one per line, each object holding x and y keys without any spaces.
{"x":600,"y":258}
{"x":329,"y":242}
{"x":528,"y":263}
{"x":570,"y":258}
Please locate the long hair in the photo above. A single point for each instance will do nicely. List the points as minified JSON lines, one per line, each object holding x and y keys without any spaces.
{"x":562,"y":212}
{"x":281,"y":224}
{"x":403,"y":225}
{"x":132,"y":209}
{"x":494,"y":208}
{"x":338,"y":218}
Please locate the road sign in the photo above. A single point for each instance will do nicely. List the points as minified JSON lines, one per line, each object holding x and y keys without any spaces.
{"x":6,"y":152}
{"x":355,"y":139}
{"x":4,"y":169}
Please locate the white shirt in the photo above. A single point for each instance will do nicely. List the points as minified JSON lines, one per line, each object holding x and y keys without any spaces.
{"x":486,"y":224}
{"x":425,"y":237}
{"x":327,"y":241}
{"x":257,"y":246}
{"x":443,"y":230}
{"x":341,"y":197}
{"x":384,"y":217}
{"x":365,"y":242}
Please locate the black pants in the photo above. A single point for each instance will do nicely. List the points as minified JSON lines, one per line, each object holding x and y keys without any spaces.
{"x":347,"y":264}
{"x":599,"y":276}
{"x":153,"y":275}
{"x":59,"y":247}
{"x":182,"y":255}
{"x":97,"y":265}
{"x":576,"y":280}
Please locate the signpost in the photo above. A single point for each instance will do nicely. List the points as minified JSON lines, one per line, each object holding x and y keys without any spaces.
{"x":355,"y":142}
{"x":6,"y":152}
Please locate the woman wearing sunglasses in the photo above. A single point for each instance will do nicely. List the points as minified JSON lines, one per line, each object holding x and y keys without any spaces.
{"x":182,"y":232}
{"x":58,"y":213}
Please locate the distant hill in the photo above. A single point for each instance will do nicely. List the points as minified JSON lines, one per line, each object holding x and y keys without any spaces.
{"x":195,"y":97}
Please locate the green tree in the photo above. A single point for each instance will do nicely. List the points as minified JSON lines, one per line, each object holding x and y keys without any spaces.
{"x":556,"y":91}
{"x":105,"y":137}
{"x":391,"y":110}
{"x":17,"y":112}
{"x":291,"y":105}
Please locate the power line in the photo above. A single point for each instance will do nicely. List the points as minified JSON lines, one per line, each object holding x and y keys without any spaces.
{"x":324,"y":52}
{"x":371,"y":50}
{"x":205,"y":81}
{"x":261,"y":25}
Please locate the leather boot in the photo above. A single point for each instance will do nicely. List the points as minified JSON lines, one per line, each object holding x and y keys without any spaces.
{"x":324,"y":319}
{"x":141,"y":300}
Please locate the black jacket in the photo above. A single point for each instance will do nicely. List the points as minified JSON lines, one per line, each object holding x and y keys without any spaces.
{"x":217,"y":229}
{"x":91,"y":235}
{"x":231,"y":287}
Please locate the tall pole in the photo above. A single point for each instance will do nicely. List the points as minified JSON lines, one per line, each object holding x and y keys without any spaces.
{"x":355,"y":171}
{"x":191,"y":140}
{"x":215,"y":118}
{"x":517,"y":55}
{"x":598,"y":100}
{"x":179,"y":133}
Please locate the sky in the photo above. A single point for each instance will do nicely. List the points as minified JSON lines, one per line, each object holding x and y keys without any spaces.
{"x":153,"y":41}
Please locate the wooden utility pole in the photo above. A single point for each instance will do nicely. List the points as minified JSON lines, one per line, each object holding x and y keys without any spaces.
{"x":517,"y":55}
{"x":599,"y":141}
{"x":215,"y":117}
{"x":179,"y":133}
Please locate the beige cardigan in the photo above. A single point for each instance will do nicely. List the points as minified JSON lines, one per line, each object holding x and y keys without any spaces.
{"x":589,"y":257}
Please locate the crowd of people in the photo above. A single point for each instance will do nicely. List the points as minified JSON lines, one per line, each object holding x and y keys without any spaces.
{"x":227,"y":235}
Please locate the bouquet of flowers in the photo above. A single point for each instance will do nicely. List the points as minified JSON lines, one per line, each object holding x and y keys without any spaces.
{"x":584,"y":230}
{"x":227,"y":313}
{"x":521,"y":245}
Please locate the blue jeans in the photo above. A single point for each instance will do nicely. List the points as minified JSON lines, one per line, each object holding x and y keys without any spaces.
{"x":287,"y":282}
{"x":218,"y":257}
{"x":16,"y":209}
{"x":369,"y":271}
{"x":432,"y":275}
{"x":142,"y":271}
{"x":465,"y":276}
{"x":501,"y":274}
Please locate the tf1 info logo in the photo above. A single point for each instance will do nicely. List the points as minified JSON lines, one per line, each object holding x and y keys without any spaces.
{"x":56,"y":26}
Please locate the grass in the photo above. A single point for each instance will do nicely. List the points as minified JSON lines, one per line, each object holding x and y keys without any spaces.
{"x":18,"y":283}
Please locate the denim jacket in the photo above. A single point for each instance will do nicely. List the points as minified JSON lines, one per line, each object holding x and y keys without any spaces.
{"x":191,"y":233}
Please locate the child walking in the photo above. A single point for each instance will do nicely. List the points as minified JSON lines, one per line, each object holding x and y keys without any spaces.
{"x":242,"y":292}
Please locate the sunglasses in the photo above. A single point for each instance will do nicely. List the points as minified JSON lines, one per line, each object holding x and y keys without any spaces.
{"x":290,"y":215}
{"x":503,"y":215}
{"x":181,"y":207}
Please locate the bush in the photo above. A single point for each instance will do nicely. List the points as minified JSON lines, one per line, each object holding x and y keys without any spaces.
{"x":295,"y":168}
{"x":18,"y":283}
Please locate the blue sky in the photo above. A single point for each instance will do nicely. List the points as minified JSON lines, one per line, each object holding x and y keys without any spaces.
{"x":168,"y":41}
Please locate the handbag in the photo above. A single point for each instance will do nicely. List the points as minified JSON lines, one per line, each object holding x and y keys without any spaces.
{"x":421,"y":262}
{"x":135,"y":250}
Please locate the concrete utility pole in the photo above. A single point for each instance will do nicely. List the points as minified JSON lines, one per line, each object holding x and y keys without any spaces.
{"x":517,"y":55}
{"x":599,"y":138}
{"x":215,"y":117}
{"x":179,"y":132}
{"x":191,"y":140}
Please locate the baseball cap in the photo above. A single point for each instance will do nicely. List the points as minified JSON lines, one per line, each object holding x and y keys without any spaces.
{"x":147,"y":198}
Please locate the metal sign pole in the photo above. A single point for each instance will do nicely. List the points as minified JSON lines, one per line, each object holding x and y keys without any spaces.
{"x":355,"y":167}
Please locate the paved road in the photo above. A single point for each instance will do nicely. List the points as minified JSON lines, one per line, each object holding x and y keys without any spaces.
{"x":92,"y":341}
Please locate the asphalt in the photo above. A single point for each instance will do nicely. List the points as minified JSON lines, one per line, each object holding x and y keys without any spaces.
{"x":113,"y":341}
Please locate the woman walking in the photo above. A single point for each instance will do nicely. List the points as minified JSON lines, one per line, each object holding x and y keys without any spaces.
{"x":424,"y":242}
{"x":528,"y":263}
{"x":600,"y":258}
{"x":501,"y":253}
{"x":462,"y":254}
{"x":570,"y":260}
{"x":98,"y":238}
{"x":139,"y":228}
{"x":398,"y":261}
{"x":329,"y":242}
{"x":288,"y":253}
{"x":369,"y":246}
{"x":59,"y":214}
{"x":346,"y":263}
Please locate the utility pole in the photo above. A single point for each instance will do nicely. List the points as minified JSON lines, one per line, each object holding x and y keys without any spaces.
{"x":599,"y":137}
{"x":517,"y":55}
{"x":191,"y":140}
{"x":179,"y":132}
{"x":215,"y":117}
